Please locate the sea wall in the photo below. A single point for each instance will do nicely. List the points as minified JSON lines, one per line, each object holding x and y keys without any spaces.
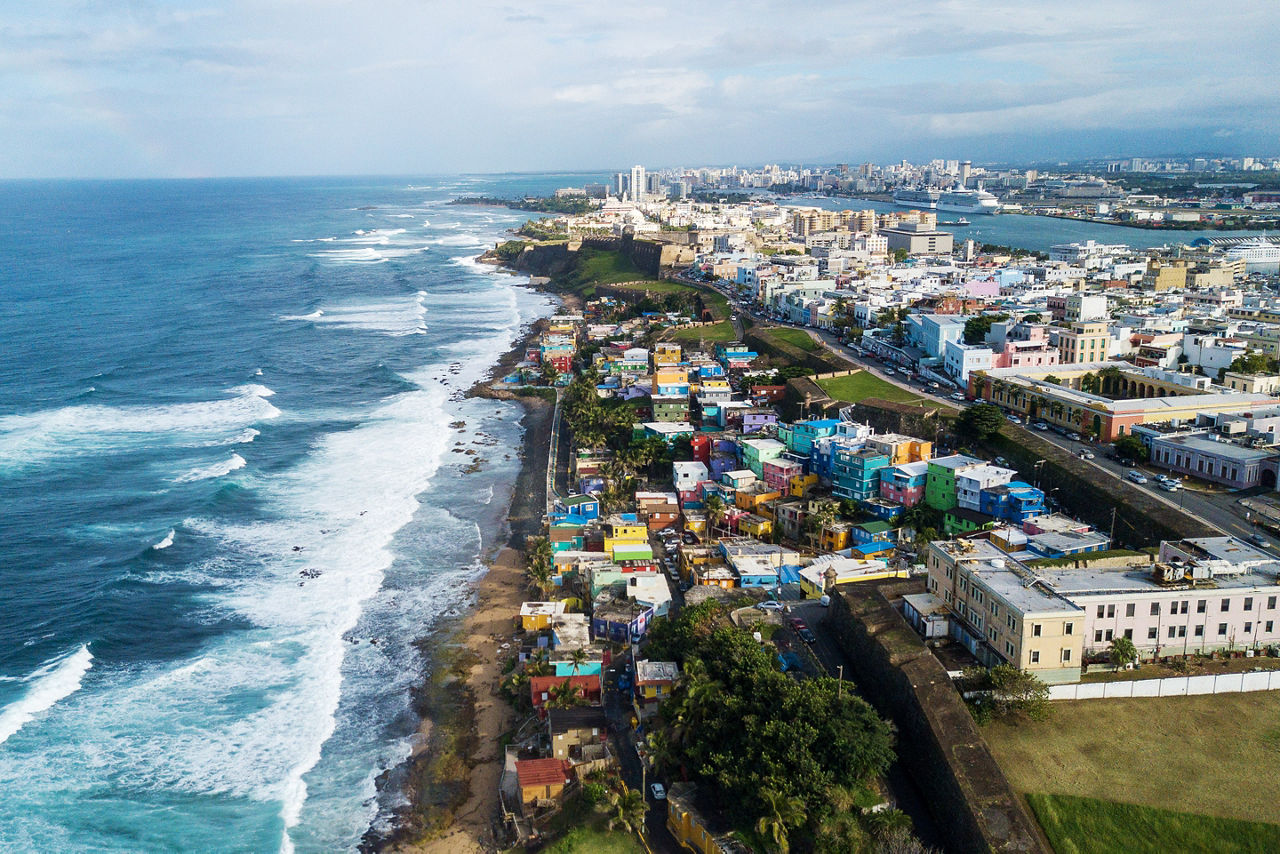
{"x":938,"y":743}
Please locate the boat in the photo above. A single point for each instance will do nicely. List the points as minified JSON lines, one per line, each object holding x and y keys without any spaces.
{"x":968,"y":201}
{"x":910,"y":197}
{"x":1258,"y":251}
{"x":960,"y":221}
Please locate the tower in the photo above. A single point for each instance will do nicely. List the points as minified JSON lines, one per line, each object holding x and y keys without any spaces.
{"x":638,"y":186}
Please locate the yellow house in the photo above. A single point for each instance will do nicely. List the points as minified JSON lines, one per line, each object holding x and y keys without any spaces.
{"x":624,"y":531}
{"x":695,"y":522}
{"x":714,"y":575}
{"x":800,"y":485}
{"x":757,"y":526}
{"x":669,"y":375}
{"x":901,"y":449}
{"x":666,"y":353}
{"x":834,"y":537}
{"x":757,"y":499}
{"x":535,"y":616}
{"x":691,"y":829}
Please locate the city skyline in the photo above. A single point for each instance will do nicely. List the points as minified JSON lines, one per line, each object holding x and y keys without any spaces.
{"x":281,"y":88}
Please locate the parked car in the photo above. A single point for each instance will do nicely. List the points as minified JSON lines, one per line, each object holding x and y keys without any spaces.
{"x":806,"y":634}
{"x":933,"y":384}
{"x":1171,"y":485}
{"x":770,"y":605}
{"x":1013,"y":419}
{"x":959,"y":395}
{"x":1075,"y":437}
{"x":1040,"y":425}
{"x":888,"y":370}
{"x":1127,"y":463}
{"x":1136,"y":476}
{"x":690,"y":538}
{"x":1086,"y":455}
{"x":1259,"y":540}
{"x":659,"y":791}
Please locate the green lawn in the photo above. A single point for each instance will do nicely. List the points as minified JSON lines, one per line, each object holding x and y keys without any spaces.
{"x":605,"y":268}
{"x":1091,"y":826}
{"x":584,"y":840}
{"x":855,"y":387}
{"x":797,"y":338}
{"x":715,"y":333}
{"x":1211,"y":754}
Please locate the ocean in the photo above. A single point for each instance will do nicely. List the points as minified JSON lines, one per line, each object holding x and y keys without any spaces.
{"x":233,"y":436}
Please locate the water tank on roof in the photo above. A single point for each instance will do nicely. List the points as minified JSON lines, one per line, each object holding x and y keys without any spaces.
{"x":997,"y":563}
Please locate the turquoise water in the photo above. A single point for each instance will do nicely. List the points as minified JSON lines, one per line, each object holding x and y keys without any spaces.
{"x":229,"y":500}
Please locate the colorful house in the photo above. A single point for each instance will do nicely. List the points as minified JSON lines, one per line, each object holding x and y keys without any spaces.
{"x":856,"y":474}
{"x":541,"y":780}
{"x":869,"y":532}
{"x":1015,"y":502}
{"x":755,"y":452}
{"x":800,"y":435}
{"x":961,"y":520}
{"x":940,"y":482}
{"x":778,"y":472}
{"x":904,"y":483}
{"x":655,"y":680}
{"x":535,"y":616}
{"x":901,"y":449}
{"x":585,"y":686}
{"x":575,"y":510}
{"x":625,"y":529}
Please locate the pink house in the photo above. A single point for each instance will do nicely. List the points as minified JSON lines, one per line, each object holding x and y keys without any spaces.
{"x":904,"y":484}
{"x":778,"y":473}
{"x":1027,"y":346}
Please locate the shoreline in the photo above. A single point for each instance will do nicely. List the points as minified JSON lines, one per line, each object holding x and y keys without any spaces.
{"x":450,"y":780}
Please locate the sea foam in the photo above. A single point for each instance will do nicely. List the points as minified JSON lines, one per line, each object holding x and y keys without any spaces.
{"x":216,"y":470}
{"x":49,"y":684}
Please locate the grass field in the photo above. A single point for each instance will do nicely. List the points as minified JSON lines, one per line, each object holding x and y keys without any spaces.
{"x":1215,"y":754}
{"x":797,"y":338}
{"x":713,"y":334}
{"x":605,"y":268}
{"x":583,"y":840}
{"x":855,"y":387}
{"x":1091,"y":826}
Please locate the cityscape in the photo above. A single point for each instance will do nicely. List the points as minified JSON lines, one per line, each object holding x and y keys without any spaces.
{"x":601,"y":428}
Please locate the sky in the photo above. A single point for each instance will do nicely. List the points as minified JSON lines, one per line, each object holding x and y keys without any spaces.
{"x":194,"y":88}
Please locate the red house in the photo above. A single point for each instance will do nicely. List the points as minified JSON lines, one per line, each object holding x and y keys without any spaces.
{"x":585,"y":686}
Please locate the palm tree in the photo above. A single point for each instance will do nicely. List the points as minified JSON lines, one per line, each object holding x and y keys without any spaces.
{"x":716,"y":509}
{"x":629,"y":811}
{"x":821,"y":515}
{"x":541,"y":578}
{"x":564,"y":696}
{"x":578,"y":658}
{"x":782,"y":812}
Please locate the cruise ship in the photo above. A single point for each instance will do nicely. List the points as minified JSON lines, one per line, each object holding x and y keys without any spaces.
{"x":919,"y":199}
{"x":968,"y":201}
{"x":1260,"y":255}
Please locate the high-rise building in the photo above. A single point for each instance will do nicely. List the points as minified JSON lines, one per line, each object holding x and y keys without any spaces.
{"x":620,"y":182}
{"x":638,"y":185}
{"x":965,"y":168}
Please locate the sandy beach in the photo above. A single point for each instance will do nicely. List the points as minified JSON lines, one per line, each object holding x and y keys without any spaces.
{"x":463,"y":712}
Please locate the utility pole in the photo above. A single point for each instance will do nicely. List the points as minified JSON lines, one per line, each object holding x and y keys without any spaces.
{"x":840,"y":682}
{"x":1113,"y":527}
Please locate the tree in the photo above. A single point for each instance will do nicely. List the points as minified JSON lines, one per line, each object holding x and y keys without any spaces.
{"x":1123,"y":651}
{"x":980,"y":421}
{"x":1013,"y":692}
{"x":781,"y":813}
{"x":1253,"y":363}
{"x":977,"y":327}
{"x":900,"y":255}
{"x":1052,"y":380}
{"x":821,"y":515}
{"x":549,"y":373}
{"x":628,"y":811}
{"x":715,"y":509}
{"x":1129,"y":447}
{"x":577,"y":658}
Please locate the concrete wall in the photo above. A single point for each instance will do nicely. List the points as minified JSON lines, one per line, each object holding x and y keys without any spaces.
{"x":938,"y":742}
{"x":1176,"y":686}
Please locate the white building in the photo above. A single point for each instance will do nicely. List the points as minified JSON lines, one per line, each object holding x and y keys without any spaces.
{"x":971,"y":481}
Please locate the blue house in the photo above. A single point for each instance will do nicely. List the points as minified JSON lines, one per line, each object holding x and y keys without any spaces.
{"x":869,"y":532}
{"x":873,"y":549}
{"x":575,"y":510}
{"x":1015,"y":502}
{"x":799,"y":436}
{"x":822,"y":453}
{"x":856,"y":474}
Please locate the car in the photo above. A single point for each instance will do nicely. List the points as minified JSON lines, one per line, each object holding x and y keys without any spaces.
{"x":1000,"y":461}
{"x":1162,"y":478}
{"x":933,"y":384}
{"x":1171,"y":485}
{"x":770,"y":605}
{"x":806,"y":634}
{"x":1086,"y":455}
{"x":1075,"y":437}
{"x":1040,"y":425}
{"x":1136,"y":476}
{"x":1127,"y":463}
{"x":1013,"y":419}
{"x":958,"y":395}
{"x":731,"y":317}
{"x":888,"y":370}
{"x":659,"y":791}
{"x":690,"y":538}
{"x":1259,"y":540}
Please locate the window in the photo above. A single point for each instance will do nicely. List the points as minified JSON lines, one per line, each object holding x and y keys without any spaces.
{"x":1110,"y":635}
{"x":1182,"y":631}
{"x":1199,"y":632}
{"x":1009,"y":621}
{"x":1111,"y":610}
{"x":1066,"y":656}
{"x":1248,"y":628}
{"x":1068,"y":628}
{"x":1035,"y":656}
{"x":1173,"y":632}
{"x":1035,"y":630}
{"x":1130,"y":609}
{"x":1267,"y":627}
{"x":1248,"y":603}
{"x":1128,"y":633}
{"x":1151,"y":633}
{"x":1008,"y":649}
{"x":1097,"y":636}
{"x":1202,"y":606}
{"x":1226,"y":605}
{"x":1102,"y":610}
{"x":1155,"y":609}
{"x":1271,"y":602}
{"x":1222,"y":629}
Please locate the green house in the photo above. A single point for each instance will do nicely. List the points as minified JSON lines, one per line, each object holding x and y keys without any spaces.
{"x":940,"y":481}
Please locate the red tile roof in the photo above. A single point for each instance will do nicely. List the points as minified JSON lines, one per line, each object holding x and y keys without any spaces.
{"x":542,"y":772}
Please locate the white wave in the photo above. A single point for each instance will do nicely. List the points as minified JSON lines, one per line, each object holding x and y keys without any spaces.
{"x":351,"y":256}
{"x":216,"y":470}
{"x":37,"y":437}
{"x":390,"y":316}
{"x":426,"y":223}
{"x":459,"y":240}
{"x":400,"y":216}
{"x":166,"y":542}
{"x":315,"y":240}
{"x":49,"y":684}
